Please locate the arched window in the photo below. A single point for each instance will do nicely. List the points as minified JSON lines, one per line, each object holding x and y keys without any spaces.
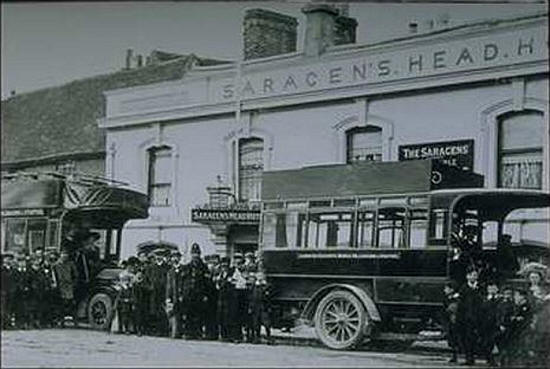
{"x":251,"y":166}
{"x":520,"y":142}
{"x":364,"y":144}
{"x":160,"y":176}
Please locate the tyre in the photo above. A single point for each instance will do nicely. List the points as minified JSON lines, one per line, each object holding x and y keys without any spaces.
{"x":100,"y":311}
{"x":340,"y":320}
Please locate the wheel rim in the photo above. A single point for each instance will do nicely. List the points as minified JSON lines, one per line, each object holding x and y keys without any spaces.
{"x":341,"y":321}
{"x":99,"y":313}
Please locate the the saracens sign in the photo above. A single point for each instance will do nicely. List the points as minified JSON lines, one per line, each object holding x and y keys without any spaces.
{"x":458,"y":153}
{"x":225,"y":216}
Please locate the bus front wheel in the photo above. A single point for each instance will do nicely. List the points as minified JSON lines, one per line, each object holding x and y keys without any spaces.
{"x":340,"y":320}
{"x":99,"y":311}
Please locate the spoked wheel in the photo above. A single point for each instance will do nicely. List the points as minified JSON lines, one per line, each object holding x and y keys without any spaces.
{"x":100,"y":311}
{"x":340,"y":320}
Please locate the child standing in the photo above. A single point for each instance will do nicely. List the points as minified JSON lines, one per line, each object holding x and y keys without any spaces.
{"x":451,"y":307}
{"x":260,"y":308}
{"x":489,"y":327}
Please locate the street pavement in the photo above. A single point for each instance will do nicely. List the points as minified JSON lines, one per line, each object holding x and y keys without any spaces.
{"x":86,"y":348}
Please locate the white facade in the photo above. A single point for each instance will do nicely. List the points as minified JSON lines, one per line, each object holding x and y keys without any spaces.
{"x":453,"y":85}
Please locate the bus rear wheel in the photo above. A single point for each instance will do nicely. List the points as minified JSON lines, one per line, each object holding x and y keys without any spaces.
{"x":100,"y":310}
{"x":340,"y":320}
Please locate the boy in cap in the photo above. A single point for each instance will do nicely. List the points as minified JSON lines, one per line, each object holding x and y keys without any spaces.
{"x":226,"y":298}
{"x":450,"y":318}
{"x":489,"y":323}
{"x":470,"y":300}
{"x":66,"y":277}
{"x":239,"y":284}
{"x":259,"y":308}
{"x":520,"y":328}
{"x":505,"y":313}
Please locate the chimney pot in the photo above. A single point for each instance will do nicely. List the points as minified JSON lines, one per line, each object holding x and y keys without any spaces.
{"x":140,"y":61}
{"x":129,"y":57}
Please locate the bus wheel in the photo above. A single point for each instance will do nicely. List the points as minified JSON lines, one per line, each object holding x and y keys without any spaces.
{"x":340,"y":320}
{"x":100,"y":311}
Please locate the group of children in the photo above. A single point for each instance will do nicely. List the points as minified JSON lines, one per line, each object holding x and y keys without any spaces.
{"x":498,"y":324}
{"x":38,"y":290}
{"x":209,"y":299}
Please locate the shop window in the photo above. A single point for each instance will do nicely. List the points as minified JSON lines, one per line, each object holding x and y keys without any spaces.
{"x":160,"y":176}
{"x":520,"y":150}
{"x":250,"y":168}
{"x":36,"y":231}
{"x":364,"y":144}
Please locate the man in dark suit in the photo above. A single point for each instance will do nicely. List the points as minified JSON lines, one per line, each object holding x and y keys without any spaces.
{"x":174,"y":296}
{"x":471,"y":300}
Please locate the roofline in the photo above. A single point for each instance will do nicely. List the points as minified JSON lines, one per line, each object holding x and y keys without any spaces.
{"x":50,"y":159}
{"x":490,"y":190}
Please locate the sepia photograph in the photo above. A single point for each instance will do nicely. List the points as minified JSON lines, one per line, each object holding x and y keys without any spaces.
{"x":282,"y":184}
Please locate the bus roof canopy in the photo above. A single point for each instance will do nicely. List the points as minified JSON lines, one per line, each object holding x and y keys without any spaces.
{"x":368,"y":178}
{"x":74,"y":196}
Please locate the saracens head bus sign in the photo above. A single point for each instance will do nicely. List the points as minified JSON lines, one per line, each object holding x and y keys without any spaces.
{"x":458,"y":153}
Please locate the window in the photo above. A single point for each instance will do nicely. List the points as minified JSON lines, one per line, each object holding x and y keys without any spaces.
{"x":391,"y":228}
{"x":251,"y":166}
{"x":364,"y":144}
{"x":520,"y":150}
{"x":366,"y":229}
{"x":439,"y":223}
{"x":330,"y":230}
{"x":418,"y":224}
{"x":160,"y":174}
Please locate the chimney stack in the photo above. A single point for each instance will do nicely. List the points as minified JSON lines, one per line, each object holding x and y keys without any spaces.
{"x":267,"y":33}
{"x":129,"y":58}
{"x":321,"y":23}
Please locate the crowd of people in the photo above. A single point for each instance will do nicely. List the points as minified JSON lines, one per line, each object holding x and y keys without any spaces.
{"x":203,"y":299}
{"x":41,"y":289}
{"x":505,"y":325}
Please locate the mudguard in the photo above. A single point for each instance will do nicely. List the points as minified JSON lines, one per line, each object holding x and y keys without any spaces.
{"x":309,"y":310}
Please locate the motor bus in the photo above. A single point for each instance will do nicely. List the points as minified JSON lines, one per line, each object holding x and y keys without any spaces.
{"x":39,"y":208}
{"x":362,"y":251}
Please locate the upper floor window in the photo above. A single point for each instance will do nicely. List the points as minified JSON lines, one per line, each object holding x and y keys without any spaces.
{"x":251,"y":166}
{"x":520,"y":150}
{"x":160,"y":176}
{"x":364,"y":144}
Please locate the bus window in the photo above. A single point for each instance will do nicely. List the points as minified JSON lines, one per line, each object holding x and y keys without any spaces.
{"x":279,"y":230}
{"x":301,"y":231}
{"x":36,"y":231}
{"x":15,"y":235}
{"x":391,"y":228}
{"x":330,"y":229}
{"x":53,"y":233}
{"x":365,"y":229}
{"x":490,"y":234}
{"x":418,"y":226}
{"x":268,"y":234}
{"x":438,"y":226}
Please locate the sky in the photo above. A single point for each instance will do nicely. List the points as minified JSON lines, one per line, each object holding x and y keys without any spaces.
{"x":49,"y":44}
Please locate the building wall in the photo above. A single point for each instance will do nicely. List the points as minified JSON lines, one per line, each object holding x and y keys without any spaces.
{"x":300,"y":136}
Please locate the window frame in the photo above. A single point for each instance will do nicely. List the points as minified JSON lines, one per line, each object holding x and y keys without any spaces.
{"x":351,"y":132}
{"x":152,"y":153}
{"x":238,"y":170}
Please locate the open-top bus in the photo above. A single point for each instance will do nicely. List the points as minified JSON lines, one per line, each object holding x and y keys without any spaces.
{"x":363,"y":250}
{"x":39,"y":208}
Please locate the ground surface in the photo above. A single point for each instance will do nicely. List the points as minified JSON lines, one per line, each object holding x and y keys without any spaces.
{"x":85,"y":348}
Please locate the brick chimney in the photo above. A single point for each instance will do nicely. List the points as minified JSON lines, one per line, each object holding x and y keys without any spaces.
{"x":345,"y":30}
{"x":320,"y":27}
{"x":267,"y":33}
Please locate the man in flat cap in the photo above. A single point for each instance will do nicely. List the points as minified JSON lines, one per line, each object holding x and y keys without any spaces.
{"x":470,"y":302}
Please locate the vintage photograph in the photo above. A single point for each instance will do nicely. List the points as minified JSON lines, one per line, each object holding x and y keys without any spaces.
{"x":299,"y":183}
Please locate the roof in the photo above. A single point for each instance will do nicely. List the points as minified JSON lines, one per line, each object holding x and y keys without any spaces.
{"x":63,"y":119}
{"x":364,"y":178}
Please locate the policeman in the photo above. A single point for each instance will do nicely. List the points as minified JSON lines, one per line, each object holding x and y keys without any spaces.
{"x":194,"y":293}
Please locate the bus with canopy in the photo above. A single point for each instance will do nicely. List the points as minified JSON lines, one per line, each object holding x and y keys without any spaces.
{"x":362,"y":251}
{"x":38,"y":209}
